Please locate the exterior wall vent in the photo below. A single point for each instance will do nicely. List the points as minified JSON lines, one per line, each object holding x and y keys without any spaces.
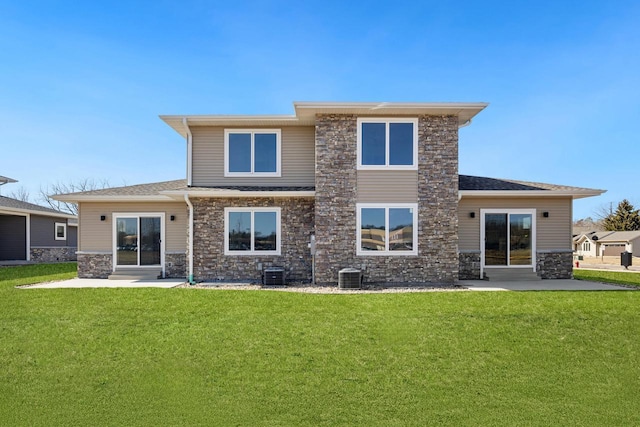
{"x":349,"y":278}
{"x":273,"y":276}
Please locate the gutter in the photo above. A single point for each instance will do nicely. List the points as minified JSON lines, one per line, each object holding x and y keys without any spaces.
{"x":190,"y":243}
{"x":185,"y":123}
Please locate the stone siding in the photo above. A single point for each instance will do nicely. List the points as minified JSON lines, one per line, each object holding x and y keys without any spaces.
{"x":175,"y":265}
{"x":555,"y":265}
{"x":53,"y":254}
{"x":336,"y":195}
{"x":211,"y":264}
{"x":94,"y":266}
{"x":469,"y":265}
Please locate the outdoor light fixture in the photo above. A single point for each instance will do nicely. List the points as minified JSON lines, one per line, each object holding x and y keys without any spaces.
{"x":103,"y":217}
{"x":545,"y":214}
{"x":472,"y":214}
{"x":172,"y":217}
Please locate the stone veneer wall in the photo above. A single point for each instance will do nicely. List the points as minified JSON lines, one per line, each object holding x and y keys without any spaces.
{"x":555,"y":264}
{"x":211,"y":264}
{"x":469,"y":265}
{"x":336,"y":195}
{"x":53,"y":254}
{"x":175,"y":265}
{"x":94,"y":266}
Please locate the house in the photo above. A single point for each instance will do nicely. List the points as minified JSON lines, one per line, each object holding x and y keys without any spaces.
{"x":374,"y":186}
{"x":35,"y":233}
{"x":607,"y":243}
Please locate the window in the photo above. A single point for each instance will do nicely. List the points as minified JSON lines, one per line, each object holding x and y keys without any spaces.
{"x":586,"y":246}
{"x":251,"y":152}
{"x":252,"y":231}
{"x":387,"y":229}
{"x":61,"y":231}
{"x":387,"y":143}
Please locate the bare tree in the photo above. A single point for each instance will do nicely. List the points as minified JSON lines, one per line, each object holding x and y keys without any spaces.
{"x":20,"y":194}
{"x":58,"y":187}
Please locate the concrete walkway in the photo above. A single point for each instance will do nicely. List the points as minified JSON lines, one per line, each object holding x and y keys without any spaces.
{"x":541,"y":285}
{"x":106,"y":283}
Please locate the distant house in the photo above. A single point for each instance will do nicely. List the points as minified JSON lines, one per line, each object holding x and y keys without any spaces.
{"x":607,"y":243}
{"x":35,"y":233}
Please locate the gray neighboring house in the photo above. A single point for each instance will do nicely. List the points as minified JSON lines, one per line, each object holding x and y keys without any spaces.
{"x":375,"y":186}
{"x":30,"y":232}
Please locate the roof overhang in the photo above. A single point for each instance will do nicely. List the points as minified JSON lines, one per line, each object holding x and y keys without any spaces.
{"x":575,"y":194}
{"x":306,"y":114}
{"x":179,"y":194}
{"x":22,"y":212}
{"x":71,"y":198}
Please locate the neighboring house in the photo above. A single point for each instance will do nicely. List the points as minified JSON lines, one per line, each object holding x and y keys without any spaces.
{"x":374,"y":185}
{"x":30,"y":232}
{"x":607,"y":243}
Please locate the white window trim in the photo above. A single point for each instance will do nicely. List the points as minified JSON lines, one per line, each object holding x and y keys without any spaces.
{"x":386,"y":121}
{"x":114,"y":243}
{"x":253,"y":211}
{"x":387,"y":206}
{"x":55,"y":230}
{"x":277,"y":173}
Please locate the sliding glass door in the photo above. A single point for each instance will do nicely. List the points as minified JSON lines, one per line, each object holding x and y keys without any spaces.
{"x":138,"y":240}
{"x":508,"y":238}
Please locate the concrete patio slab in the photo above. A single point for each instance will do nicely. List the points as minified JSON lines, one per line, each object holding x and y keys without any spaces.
{"x":106,"y":283}
{"x":541,"y":285}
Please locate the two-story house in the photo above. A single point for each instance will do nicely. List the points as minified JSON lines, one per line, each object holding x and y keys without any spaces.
{"x":375,"y":184}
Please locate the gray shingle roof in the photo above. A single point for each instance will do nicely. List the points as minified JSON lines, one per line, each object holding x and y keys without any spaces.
{"x":620,"y":236}
{"x":466,"y":182}
{"x":151,"y":189}
{"x":9,"y":203}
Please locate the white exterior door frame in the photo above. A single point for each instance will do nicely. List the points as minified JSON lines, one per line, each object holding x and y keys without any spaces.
{"x":137,"y":215}
{"x":508,"y":212}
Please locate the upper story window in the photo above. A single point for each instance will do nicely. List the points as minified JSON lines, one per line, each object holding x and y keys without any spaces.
{"x":388,"y":143}
{"x":61,"y":231}
{"x":251,"y":152}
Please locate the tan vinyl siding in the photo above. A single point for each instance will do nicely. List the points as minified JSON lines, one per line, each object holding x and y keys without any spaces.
{"x":553,"y":232}
{"x":96,"y":235}
{"x":297,"y":163}
{"x":387,"y":186}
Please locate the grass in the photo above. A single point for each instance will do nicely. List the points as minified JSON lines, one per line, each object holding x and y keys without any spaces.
{"x":37,"y":273}
{"x":620,"y":277}
{"x":199,"y":357}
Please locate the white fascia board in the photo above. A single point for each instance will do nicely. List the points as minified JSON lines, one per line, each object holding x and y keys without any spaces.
{"x":237,"y":193}
{"x":24,"y":212}
{"x":389,"y":105}
{"x":530,"y":193}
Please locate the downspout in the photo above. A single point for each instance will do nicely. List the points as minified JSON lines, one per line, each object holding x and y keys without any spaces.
{"x":190,"y":242}
{"x":189,"y":151}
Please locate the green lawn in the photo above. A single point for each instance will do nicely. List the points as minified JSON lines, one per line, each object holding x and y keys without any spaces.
{"x":200,"y":357}
{"x":621,"y":277}
{"x":36,"y":273}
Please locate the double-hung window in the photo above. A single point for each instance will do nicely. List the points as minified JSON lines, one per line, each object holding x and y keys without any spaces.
{"x":60,"y":231}
{"x":252,"y":231}
{"x":388,"y":143}
{"x":251,"y":152}
{"x":387,"y":229}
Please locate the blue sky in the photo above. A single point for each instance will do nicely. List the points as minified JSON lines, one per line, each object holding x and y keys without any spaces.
{"x":82,"y":83}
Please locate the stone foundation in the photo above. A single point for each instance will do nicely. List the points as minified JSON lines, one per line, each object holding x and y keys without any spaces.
{"x":175,"y":265}
{"x":555,"y":264}
{"x":94,"y":266}
{"x":469,"y":265}
{"x":211,"y":264}
{"x":53,"y":254}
